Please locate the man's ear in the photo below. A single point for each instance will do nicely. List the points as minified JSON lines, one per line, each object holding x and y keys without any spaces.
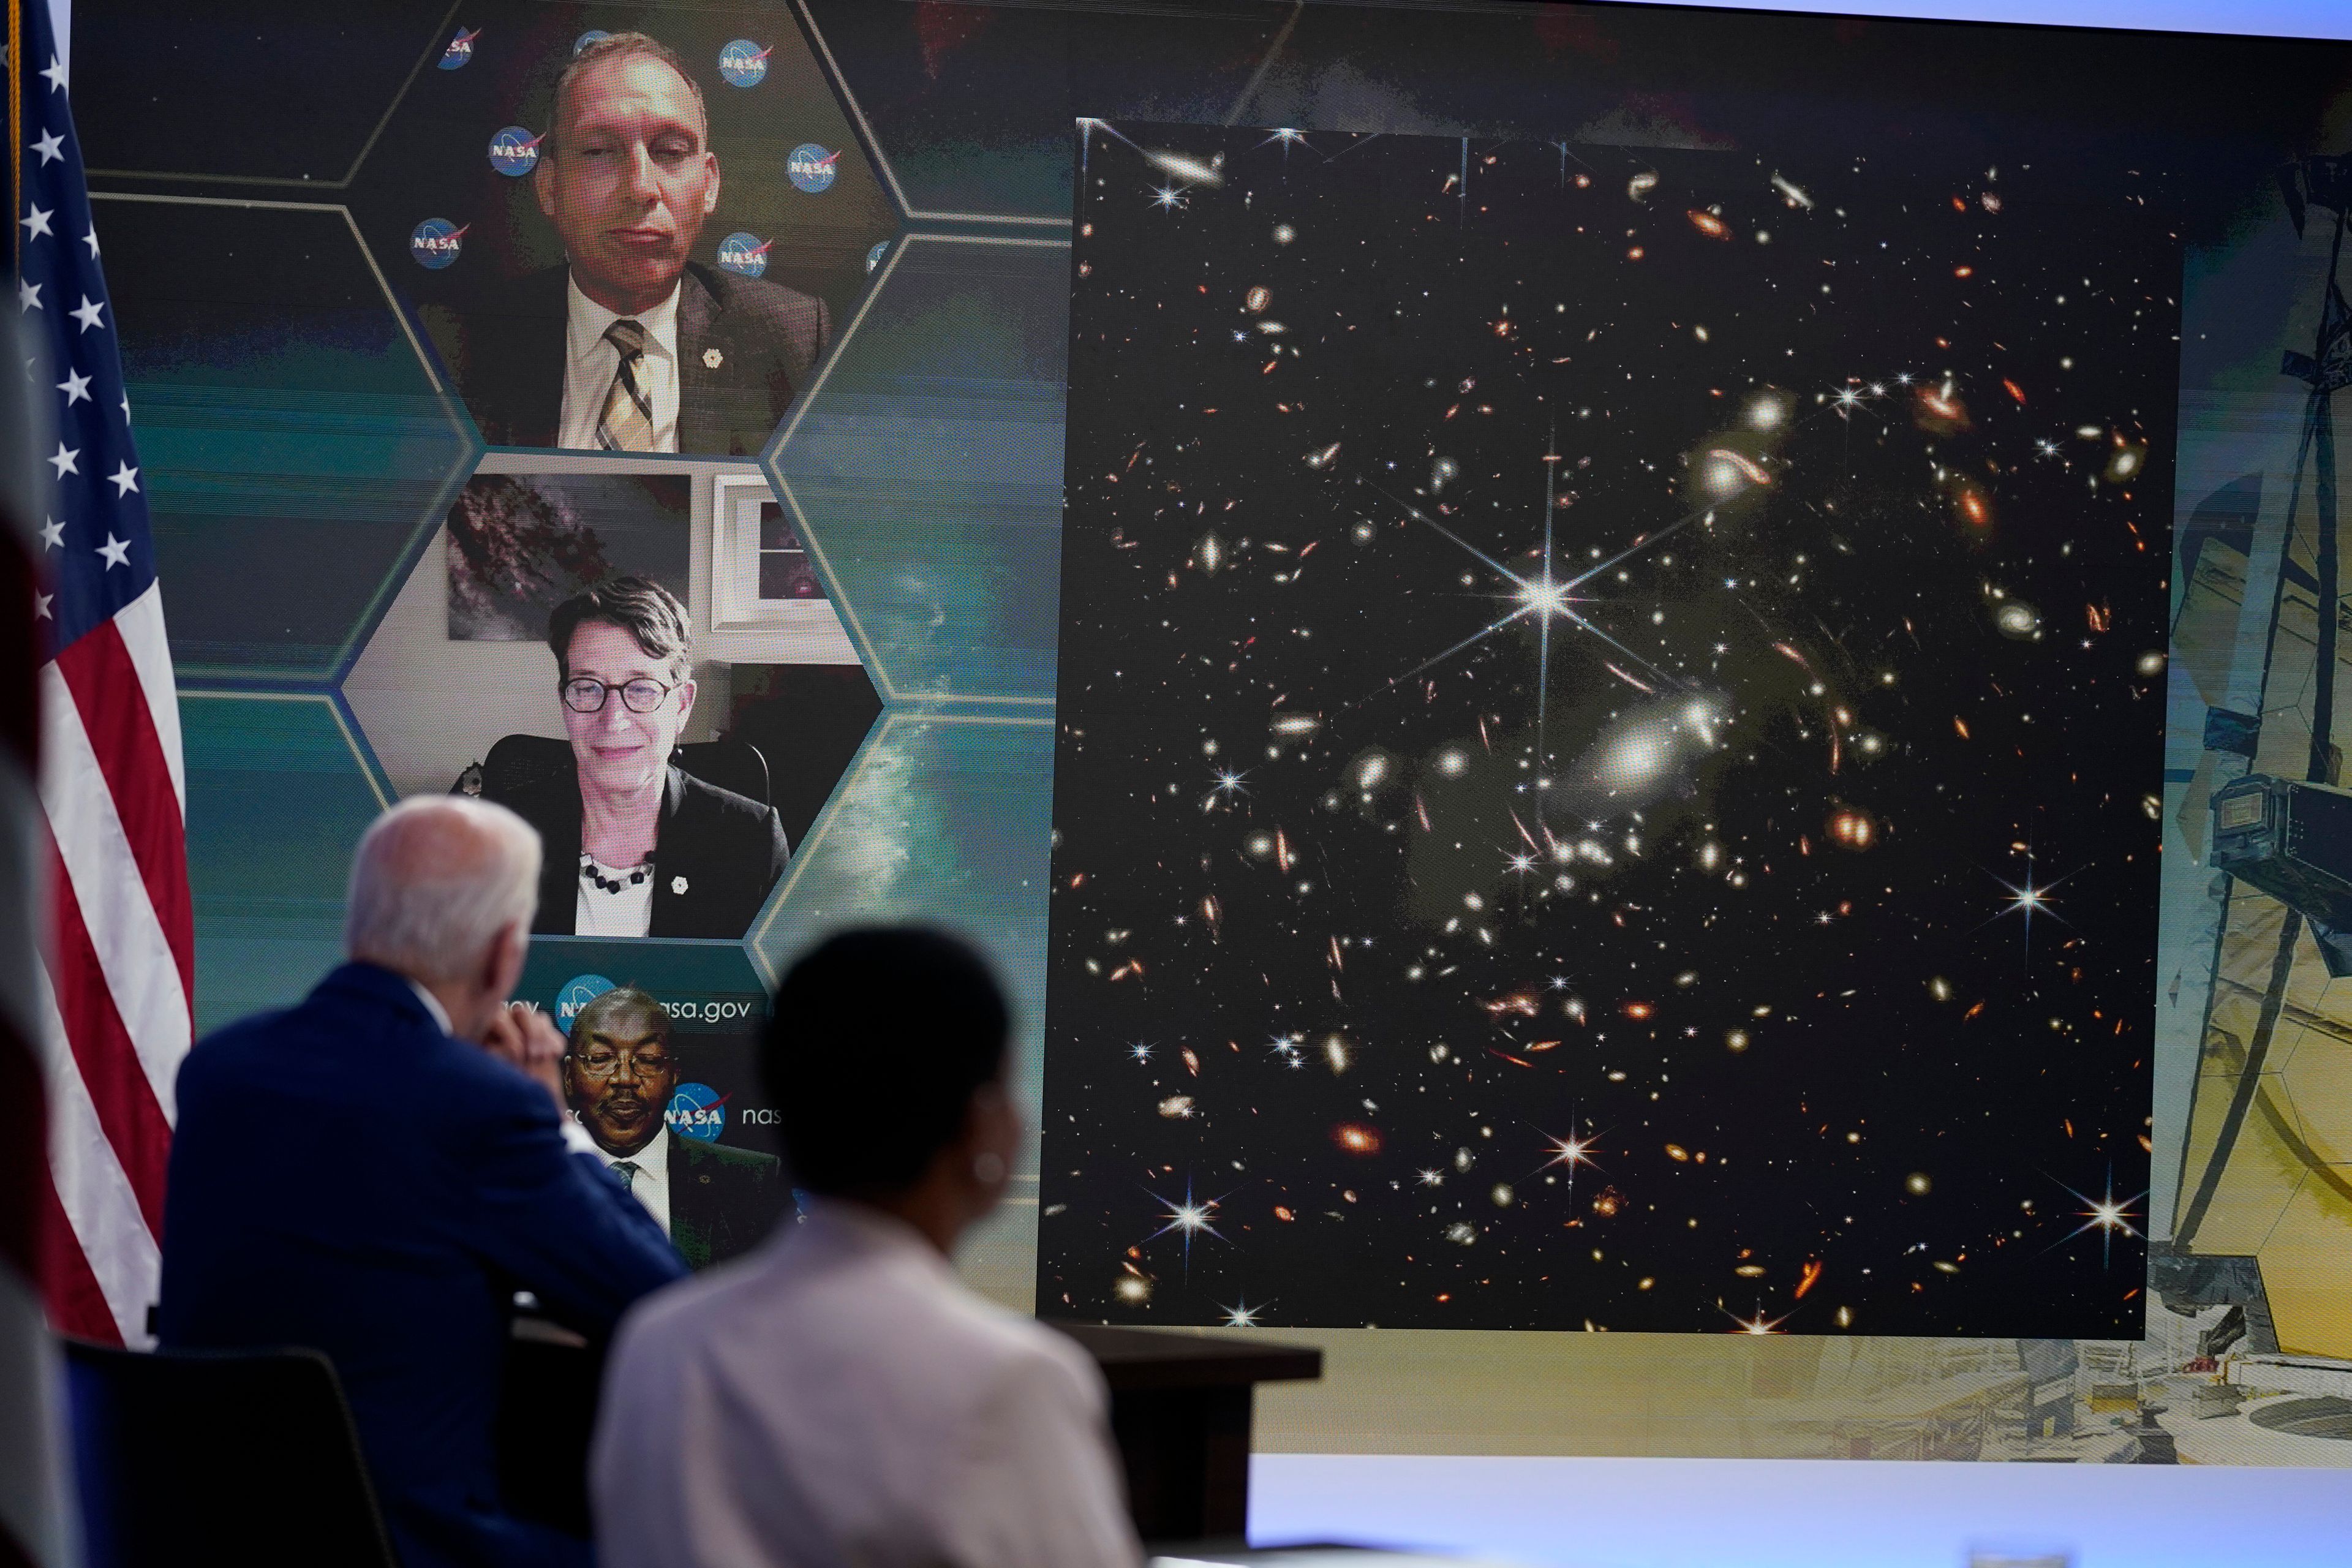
{"x":503,"y":963}
{"x":710,"y":192}
{"x":686,"y":691}
{"x":541,"y":174}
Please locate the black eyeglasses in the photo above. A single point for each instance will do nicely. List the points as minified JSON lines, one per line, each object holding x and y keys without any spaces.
{"x":642,"y":695}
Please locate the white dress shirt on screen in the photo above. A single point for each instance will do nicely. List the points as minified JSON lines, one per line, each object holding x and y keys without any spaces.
{"x":839,"y":1398}
{"x":589,"y":363}
{"x":650,"y":1184}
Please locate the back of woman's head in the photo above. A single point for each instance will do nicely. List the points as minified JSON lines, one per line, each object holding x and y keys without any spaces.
{"x":877,"y":1042}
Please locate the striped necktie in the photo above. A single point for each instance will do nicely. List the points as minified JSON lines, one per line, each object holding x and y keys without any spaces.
{"x":627,"y":422}
{"x":628,"y":1170}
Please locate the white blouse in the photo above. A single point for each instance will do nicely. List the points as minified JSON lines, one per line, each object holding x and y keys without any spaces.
{"x":601,"y":912}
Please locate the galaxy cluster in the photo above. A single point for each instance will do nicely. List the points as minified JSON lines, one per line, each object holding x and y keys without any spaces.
{"x":1610,"y":722}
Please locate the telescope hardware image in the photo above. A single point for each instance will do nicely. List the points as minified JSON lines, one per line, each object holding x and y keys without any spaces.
{"x":1610,"y":725}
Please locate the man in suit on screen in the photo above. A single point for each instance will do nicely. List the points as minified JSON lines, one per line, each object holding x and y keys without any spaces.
{"x":619,"y":1076}
{"x":629,"y":346}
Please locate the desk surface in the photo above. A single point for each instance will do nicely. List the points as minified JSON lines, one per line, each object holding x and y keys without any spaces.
{"x":1137,"y":1360}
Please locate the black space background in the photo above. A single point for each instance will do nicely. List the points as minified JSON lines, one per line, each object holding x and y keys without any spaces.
{"x":2026,"y":1083}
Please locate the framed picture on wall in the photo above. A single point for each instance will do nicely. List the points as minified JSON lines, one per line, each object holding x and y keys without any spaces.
{"x":762,"y":575}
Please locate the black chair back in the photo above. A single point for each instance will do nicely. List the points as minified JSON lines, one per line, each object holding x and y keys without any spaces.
{"x":244,"y":1456}
{"x":522,"y":766}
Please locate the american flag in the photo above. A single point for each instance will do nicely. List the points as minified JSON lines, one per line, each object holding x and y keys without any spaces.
{"x":112,"y":1006}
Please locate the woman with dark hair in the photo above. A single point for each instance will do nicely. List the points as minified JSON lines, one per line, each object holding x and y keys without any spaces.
{"x":634,"y":844}
{"x":839,"y":1396}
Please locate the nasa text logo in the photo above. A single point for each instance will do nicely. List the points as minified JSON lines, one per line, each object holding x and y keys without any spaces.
{"x":743,"y":63}
{"x":514,"y":151}
{"x":696,"y":1110}
{"x":744,"y":253}
{"x":460,"y":52}
{"x":811,"y":168}
{"x":577,"y":993}
{"x":435,"y":243}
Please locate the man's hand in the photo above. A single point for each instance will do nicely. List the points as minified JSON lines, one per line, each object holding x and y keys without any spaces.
{"x":523,"y":1036}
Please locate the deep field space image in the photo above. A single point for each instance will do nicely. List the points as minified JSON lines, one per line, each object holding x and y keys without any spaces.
{"x":1610,"y":724}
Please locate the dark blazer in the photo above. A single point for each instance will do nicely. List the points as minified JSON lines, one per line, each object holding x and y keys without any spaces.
{"x":716,"y":855}
{"x":722,"y":1200}
{"x":507,"y":355}
{"x":346,"y":1176}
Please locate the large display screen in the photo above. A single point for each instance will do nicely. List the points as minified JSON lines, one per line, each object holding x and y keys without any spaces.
{"x":1660,"y":672}
{"x":1580,"y":670}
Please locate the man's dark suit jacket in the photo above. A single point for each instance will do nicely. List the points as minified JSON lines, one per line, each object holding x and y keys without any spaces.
{"x":722,"y":1202}
{"x":508,"y":357}
{"x":716,"y":855}
{"x":346,"y":1176}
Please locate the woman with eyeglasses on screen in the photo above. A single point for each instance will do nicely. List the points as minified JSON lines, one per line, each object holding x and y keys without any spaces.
{"x":635,"y":845}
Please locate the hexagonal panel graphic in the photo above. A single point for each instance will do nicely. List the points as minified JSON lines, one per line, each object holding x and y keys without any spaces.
{"x":926,"y":467}
{"x":944,"y":818}
{"x":670,"y":805}
{"x":2302,"y":1261}
{"x":517,"y":247}
{"x":292,"y":434}
{"x":290,"y":94}
{"x":951,"y":94}
{"x":278,"y":794}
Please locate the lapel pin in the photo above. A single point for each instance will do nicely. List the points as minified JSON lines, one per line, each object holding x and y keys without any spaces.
{"x":712,"y":359}
{"x":678,"y":884}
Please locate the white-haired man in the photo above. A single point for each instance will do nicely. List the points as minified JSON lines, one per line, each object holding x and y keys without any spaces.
{"x":375,"y":1170}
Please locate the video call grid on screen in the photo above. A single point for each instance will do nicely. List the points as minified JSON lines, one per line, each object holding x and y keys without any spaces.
{"x":1587,"y":755}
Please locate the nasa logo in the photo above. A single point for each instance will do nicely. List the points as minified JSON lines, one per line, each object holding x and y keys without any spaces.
{"x":435,"y":243}
{"x":697,"y":1111}
{"x":592,"y":35}
{"x":460,"y":52}
{"x":743,"y":63}
{"x":812,"y":167}
{"x":744,"y":253}
{"x":577,"y":993}
{"x":514,"y":151}
{"x":874,"y":257}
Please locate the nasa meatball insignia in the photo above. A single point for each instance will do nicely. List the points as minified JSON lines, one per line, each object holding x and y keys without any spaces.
{"x":811,"y":168}
{"x":435,"y":243}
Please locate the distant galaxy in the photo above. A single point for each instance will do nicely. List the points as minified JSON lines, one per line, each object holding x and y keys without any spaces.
{"x":1605,"y":740}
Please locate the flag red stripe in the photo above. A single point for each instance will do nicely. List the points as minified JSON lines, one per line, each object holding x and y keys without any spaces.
{"x":110,"y":1070}
{"x":114,"y":714}
{"x":77,"y":1305}
{"x":24,"y":1163}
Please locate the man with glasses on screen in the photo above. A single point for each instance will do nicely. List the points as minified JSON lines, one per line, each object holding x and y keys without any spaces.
{"x":635,"y":845}
{"x":619,"y":1072}
{"x":630,"y":346}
